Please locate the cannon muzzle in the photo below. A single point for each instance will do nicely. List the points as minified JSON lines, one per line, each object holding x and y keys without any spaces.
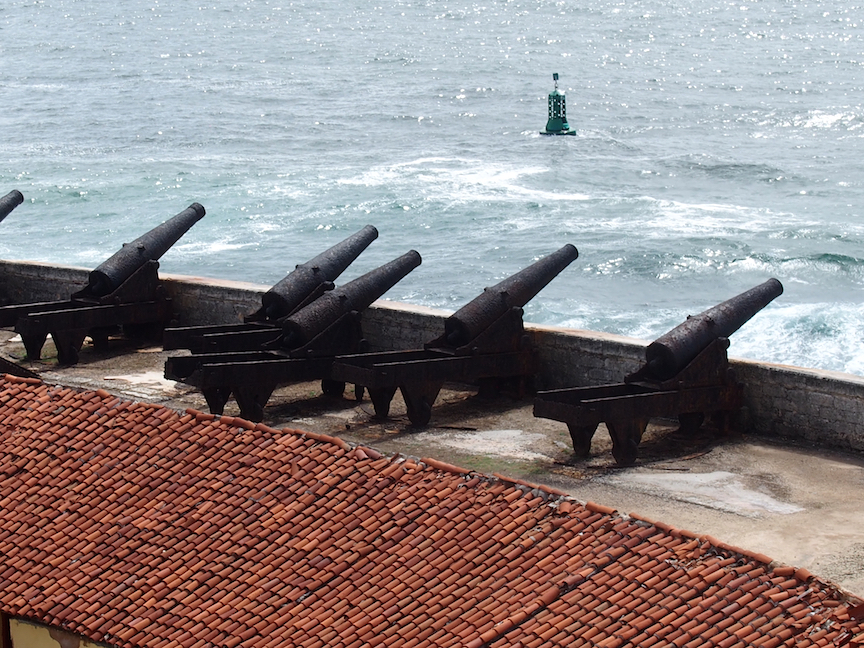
{"x":356,"y":295}
{"x":109,"y":275}
{"x":671,"y":352}
{"x":9,"y":202}
{"x":287,"y":295}
{"x":515,"y":291}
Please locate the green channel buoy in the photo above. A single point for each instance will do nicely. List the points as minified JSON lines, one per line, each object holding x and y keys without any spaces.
{"x":557,"y":122}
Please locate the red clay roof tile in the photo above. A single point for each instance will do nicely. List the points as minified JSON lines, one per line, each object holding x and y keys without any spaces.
{"x":135,"y":525}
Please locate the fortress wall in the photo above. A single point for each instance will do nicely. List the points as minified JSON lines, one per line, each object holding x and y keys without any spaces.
{"x":819,"y":407}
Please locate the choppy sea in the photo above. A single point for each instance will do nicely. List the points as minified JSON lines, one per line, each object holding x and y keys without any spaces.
{"x":718,"y":144}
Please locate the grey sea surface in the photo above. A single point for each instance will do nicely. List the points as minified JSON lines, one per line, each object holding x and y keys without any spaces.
{"x":718,"y":144}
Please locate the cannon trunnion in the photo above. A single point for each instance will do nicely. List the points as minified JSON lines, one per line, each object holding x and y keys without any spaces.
{"x":124,"y":291}
{"x":483,"y":342}
{"x":686,"y":375}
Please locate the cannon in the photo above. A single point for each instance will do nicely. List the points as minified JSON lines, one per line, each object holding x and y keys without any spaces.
{"x":9,"y":202}
{"x":686,"y":375}
{"x":477,"y":316}
{"x":131,"y":257}
{"x":299,"y":288}
{"x":122,"y":292}
{"x":483,"y":342}
{"x":310,"y":339}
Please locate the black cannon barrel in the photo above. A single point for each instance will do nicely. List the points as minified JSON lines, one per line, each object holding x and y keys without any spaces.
{"x":671,"y":352}
{"x":356,"y":295}
{"x":517,"y":290}
{"x":9,"y":202}
{"x":284,"y":297}
{"x":108,"y":276}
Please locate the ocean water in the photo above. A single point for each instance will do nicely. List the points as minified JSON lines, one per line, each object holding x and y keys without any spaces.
{"x":718,"y":143}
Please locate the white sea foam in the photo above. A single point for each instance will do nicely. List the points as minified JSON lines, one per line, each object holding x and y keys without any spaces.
{"x":207,"y":248}
{"x":791,"y":334}
{"x":823,"y":119}
{"x":463,"y":180}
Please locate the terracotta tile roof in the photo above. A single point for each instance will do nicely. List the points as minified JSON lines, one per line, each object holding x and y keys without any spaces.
{"x":136,"y":525}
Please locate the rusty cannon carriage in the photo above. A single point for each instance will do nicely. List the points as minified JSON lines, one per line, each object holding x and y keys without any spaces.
{"x":306,"y":344}
{"x":124,"y":292}
{"x":686,"y":375}
{"x":297,"y":289}
{"x":483,"y":342}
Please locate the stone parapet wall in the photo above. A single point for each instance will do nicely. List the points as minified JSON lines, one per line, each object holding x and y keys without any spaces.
{"x":197,"y":301}
{"x":24,"y":282}
{"x":575,"y":358}
{"x":397,"y":326}
{"x":825,"y":408}
{"x":819,"y":407}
